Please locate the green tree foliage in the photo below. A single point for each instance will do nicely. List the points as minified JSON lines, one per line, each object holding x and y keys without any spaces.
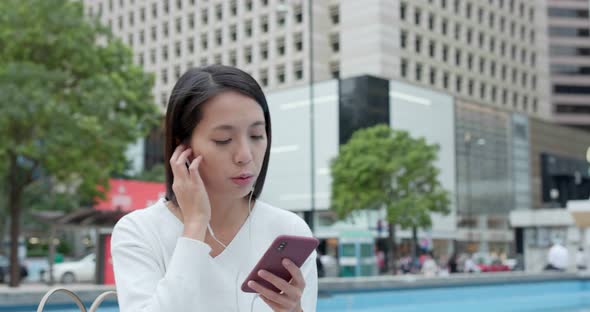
{"x":71,"y":100}
{"x":381,"y":167}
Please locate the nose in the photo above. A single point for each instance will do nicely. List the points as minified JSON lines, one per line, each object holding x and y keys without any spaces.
{"x":243,"y":153}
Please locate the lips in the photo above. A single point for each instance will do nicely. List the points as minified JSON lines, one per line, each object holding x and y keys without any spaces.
{"x":243,"y":179}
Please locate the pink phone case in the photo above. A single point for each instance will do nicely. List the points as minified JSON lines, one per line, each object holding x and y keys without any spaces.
{"x":295,"y":248}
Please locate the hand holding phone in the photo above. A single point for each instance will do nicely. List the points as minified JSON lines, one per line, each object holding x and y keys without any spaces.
{"x":295,"y":248}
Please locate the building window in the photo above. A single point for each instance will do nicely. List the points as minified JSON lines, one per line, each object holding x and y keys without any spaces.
{"x":445,"y":53}
{"x":233,"y":8}
{"x":248,"y":55}
{"x":298,"y":70}
{"x":281,"y":73}
{"x":404,"y":68}
{"x":204,"y":17}
{"x":248,"y":28}
{"x":154,"y":10}
{"x":190,"y":44}
{"x":178,"y":25}
{"x":153,"y":56}
{"x":403,"y":39}
{"x":432,"y":76}
{"x":457,"y":31}
{"x":217,"y":59}
{"x":417,"y":16}
{"x":264,"y":50}
{"x":298,"y":13}
{"x":458,"y":83}
{"x":179,"y":4}
{"x":177,"y":48}
{"x":445,"y":80}
{"x":163,"y":99}
{"x":470,"y":87}
{"x":140,"y":59}
{"x":263,"y":77}
{"x":191,"y":21}
{"x":248,"y":5}
{"x":418,"y":73}
{"x":402,"y":10}
{"x":166,"y":6}
{"x":431,"y":48}
{"x":141,"y":36}
{"x":219,"y":12}
{"x":233,"y":59}
{"x":335,"y":70}
{"x":165,"y":53}
{"x":264,"y":24}
{"x":131,"y":19}
{"x":177,"y":71}
{"x":418,"y":44}
{"x":335,"y":15}
{"x":298,"y":42}
{"x":457,"y":57}
{"x":233,"y":32}
{"x":281,"y":20}
{"x":335,"y":43}
{"x":218,"y":37}
{"x":431,"y":21}
{"x":204,"y":42}
{"x":165,"y":29}
{"x":281,"y":46}
{"x":164,"y":76}
{"x":482,"y":65}
{"x":444,"y":26}
{"x":154,"y":33}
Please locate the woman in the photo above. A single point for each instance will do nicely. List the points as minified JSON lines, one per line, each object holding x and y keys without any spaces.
{"x":192,"y":250}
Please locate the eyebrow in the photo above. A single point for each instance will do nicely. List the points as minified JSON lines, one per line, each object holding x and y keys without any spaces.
{"x":230,"y":127}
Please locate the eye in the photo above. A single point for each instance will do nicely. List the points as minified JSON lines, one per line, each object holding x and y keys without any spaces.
{"x":222,"y":142}
{"x":258,"y":137}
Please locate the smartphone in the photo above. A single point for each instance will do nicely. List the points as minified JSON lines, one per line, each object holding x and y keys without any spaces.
{"x":295,"y":248}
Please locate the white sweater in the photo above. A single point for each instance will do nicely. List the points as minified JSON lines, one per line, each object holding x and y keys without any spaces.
{"x":157,"y":270}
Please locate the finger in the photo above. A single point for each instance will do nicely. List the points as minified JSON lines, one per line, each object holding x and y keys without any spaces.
{"x":177,"y":151}
{"x":280,"y":283}
{"x":298,"y":280}
{"x":273,"y":305}
{"x":269,"y":294}
{"x":179,"y":166}
{"x":194,"y":169}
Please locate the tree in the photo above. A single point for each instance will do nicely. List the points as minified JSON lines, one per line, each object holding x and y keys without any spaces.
{"x":71,"y":100}
{"x":381,"y":167}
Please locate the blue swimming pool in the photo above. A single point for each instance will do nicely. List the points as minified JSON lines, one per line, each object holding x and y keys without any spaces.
{"x":561,"y":296}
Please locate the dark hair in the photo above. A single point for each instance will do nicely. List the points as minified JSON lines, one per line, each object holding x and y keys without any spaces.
{"x":184,"y":111}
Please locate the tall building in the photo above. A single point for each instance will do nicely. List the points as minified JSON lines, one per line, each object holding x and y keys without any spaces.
{"x":491,"y":52}
{"x":569,"y":47}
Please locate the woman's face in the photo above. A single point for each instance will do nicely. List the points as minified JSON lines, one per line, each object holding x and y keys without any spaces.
{"x":231,"y":136}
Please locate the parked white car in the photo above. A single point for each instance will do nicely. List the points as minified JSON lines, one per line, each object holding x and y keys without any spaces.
{"x":69,"y":272}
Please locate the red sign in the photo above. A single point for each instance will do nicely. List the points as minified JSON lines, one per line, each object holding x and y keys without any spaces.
{"x":109,"y":275}
{"x":129,"y":195}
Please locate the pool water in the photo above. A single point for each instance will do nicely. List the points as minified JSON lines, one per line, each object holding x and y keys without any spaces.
{"x":563,"y":296}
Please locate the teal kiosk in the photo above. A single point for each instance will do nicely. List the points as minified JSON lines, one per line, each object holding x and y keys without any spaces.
{"x":356,"y":251}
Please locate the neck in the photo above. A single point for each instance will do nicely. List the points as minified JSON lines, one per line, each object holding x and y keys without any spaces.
{"x":227,"y":213}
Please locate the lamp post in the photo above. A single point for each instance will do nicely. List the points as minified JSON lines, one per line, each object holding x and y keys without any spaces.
{"x":468,"y":139}
{"x":310,"y":218}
